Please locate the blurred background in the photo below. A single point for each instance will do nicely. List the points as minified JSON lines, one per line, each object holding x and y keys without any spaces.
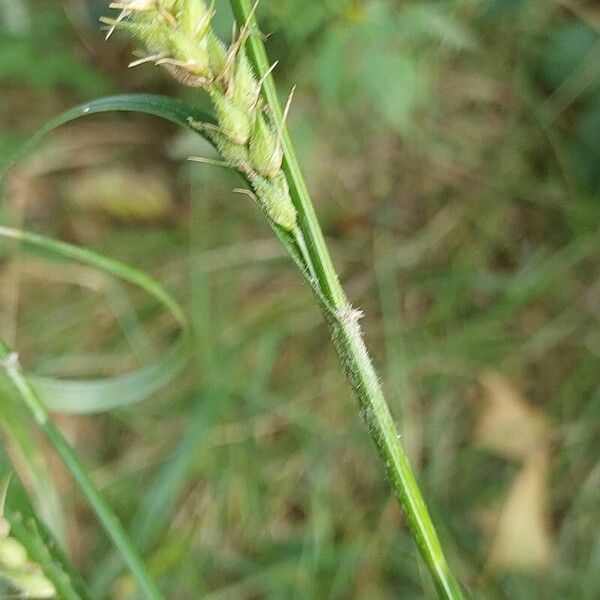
{"x":453,"y":153}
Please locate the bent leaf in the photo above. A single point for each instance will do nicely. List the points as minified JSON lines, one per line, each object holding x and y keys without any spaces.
{"x":96,"y":395}
{"x":164,"y":107}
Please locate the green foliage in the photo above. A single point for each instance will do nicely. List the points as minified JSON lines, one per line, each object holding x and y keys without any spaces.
{"x":372,"y":56}
{"x":568,"y":65}
{"x":31,"y":560}
{"x":478,"y":214}
{"x":39,"y":54}
{"x":566,"y":47}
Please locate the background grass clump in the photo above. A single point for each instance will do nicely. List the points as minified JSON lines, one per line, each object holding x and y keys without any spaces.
{"x":454,"y":147}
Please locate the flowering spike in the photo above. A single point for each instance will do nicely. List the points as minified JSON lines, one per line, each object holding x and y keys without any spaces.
{"x":193,"y":16}
{"x":274,"y":195}
{"x":236,"y":154}
{"x":178,"y":35}
{"x":217,"y":54}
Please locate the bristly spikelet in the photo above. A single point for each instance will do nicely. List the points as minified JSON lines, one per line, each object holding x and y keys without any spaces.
{"x":179,"y":36}
{"x":135,"y":5}
{"x":12,"y":554}
{"x":275,"y":197}
{"x":33,"y":585}
{"x":174,"y":31}
{"x":189,"y":54}
{"x":151,"y":32}
{"x":233,"y":120}
{"x":234,"y":154}
{"x":265,"y":150}
{"x":194,"y":17}
{"x":217,"y":53}
{"x":245,"y":86}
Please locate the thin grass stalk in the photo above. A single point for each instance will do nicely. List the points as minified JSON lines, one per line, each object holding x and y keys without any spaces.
{"x":105,"y":514}
{"x":66,"y":583}
{"x":348,"y":338}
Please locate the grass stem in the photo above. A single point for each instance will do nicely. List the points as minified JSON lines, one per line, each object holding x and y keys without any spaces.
{"x":348,"y":337}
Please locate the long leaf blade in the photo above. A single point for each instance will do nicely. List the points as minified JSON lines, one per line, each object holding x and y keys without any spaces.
{"x":95,"y":395}
{"x":170,"y":109}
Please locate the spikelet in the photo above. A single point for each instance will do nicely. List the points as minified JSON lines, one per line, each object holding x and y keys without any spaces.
{"x":233,"y":120}
{"x":265,"y":150}
{"x":178,"y":35}
{"x":275,"y":197}
{"x":217,"y":53}
{"x":245,"y":87}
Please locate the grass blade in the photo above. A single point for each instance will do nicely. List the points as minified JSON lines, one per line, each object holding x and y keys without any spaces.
{"x":105,"y":515}
{"x":42,"y":549}
{"x":95,"y":395}
{"x":164,"y":107}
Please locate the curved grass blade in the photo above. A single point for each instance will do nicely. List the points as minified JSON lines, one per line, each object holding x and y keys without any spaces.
{"x":167,"y":108}
{"x":176,"y":112}
{"x":164,"y":107}
{"x":95,"y":395}
{"x":30,"y":461}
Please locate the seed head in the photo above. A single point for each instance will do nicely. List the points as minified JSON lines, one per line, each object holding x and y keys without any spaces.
{"x":33,"y":585}
{"x":217,"y":53}
{"x":235,"y":154}
{"x":179,"y":36}
{"x":176,"y":32}
{"x":135,"y":5}
{"x":12,"y":554}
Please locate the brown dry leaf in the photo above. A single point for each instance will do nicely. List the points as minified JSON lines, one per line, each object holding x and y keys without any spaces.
{"x":519,"y":531}
{"x":506,"y":424}
{"x":523,"y":541}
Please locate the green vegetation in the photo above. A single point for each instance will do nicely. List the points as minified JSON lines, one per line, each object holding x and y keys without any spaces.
{"x":452,"y":150}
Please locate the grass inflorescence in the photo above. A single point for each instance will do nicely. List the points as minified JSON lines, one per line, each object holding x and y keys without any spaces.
{"x":178,"y":36}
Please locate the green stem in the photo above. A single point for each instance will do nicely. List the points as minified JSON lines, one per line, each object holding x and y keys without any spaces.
{"x":105,"y":514}
{"x":349,"y":341}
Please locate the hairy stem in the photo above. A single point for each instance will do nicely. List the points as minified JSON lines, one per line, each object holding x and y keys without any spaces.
{"x":349,"y":342}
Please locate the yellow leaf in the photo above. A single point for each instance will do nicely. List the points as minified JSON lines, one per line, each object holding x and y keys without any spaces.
{"x":506,"y":424}
{"x":522,"y":541}
{"x":519,"y":530}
